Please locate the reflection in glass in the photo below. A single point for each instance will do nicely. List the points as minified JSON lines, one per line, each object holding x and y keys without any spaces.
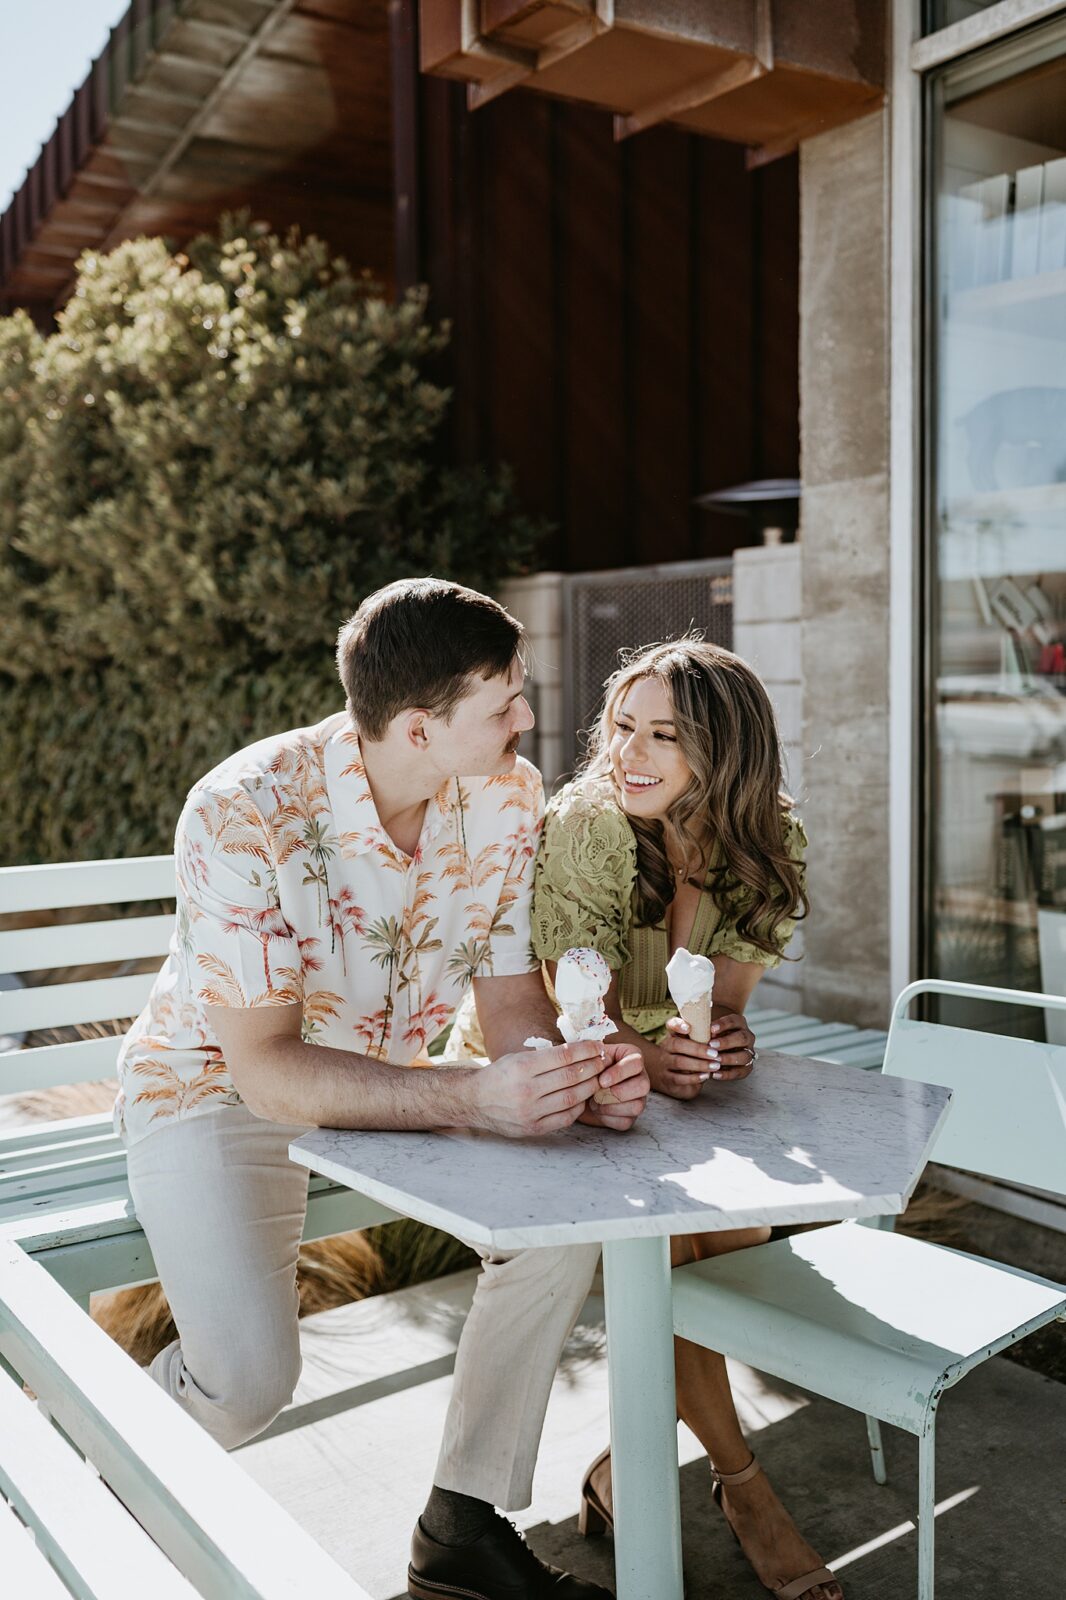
{"x":999,"y":529}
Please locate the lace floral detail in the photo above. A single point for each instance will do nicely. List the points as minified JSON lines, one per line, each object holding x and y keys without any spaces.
{"x":583,"y":883}
{"x":583,"y":895}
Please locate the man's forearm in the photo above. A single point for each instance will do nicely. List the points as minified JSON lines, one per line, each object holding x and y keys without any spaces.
{"x":315,"y":1086}
{"x":530,"y":1016}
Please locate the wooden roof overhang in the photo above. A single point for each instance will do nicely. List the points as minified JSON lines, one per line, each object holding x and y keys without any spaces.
{"x":764,"y":73}
{"x":198,"y":106}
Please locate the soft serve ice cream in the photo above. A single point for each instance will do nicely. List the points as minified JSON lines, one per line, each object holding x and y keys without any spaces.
{"x":691,"y":982}
{"x":582,"y":978}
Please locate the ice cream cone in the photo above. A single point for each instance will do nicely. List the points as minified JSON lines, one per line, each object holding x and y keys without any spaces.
{"x":697,"y":1013}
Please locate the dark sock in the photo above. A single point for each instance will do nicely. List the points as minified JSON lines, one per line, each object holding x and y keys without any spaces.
{"x":456,"y":1519}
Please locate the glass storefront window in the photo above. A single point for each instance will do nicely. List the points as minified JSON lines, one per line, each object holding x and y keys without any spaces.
{"x":996,"y":855}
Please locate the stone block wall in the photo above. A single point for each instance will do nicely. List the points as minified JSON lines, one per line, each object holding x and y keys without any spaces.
{"x":844,"y":545}
{"x":767,"y":632}
{"x":537,"y":603}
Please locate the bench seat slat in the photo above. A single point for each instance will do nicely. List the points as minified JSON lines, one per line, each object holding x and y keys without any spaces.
{"x":85,"y":1173}
{"x":76,"y":944}
{"x":49,"y":1134}
{"x":225,"y":1533}
{"x":73,"y":1220}
{"x":87,"y":1534}
{"x":780,"y":1035}
{"x":37,"y":1156}
{"x":80,"y":1061}
{"x":56,"y":1005}
{"x":87,"y":883}
{"x":26,"y":1571}
{"x":863,"y":1049}
{"x":827,"y":1038}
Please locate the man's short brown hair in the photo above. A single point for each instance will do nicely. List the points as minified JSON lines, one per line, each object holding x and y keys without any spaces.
{"x":417,"y":643}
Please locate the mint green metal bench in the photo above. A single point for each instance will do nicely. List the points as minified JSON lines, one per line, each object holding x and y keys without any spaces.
{"x":63,"y":1188}
{"x":882,"y":1322}
{"x":64,"y":1193}
{"x":799,"y":1035}
{"x":181,"y":1519}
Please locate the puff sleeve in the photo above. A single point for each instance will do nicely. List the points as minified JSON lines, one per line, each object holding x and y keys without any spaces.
{"x":583,"y":881}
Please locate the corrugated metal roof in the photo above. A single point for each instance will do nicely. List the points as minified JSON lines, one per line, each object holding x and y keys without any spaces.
{"x":82,"y":126}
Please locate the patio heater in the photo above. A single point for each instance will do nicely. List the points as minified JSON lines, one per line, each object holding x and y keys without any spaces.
{"x":770,"y":504}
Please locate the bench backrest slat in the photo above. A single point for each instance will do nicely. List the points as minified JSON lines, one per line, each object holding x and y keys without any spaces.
{"x":1008,"y":1108}
{"x":48,"y":949}
{"x":82,"y":1061}
{"x":87,"y":883}
{"x":57,"y":1005}
{"x":75,"y":944}
{"x":228,"y":1537}
{"x":92,"y":1542}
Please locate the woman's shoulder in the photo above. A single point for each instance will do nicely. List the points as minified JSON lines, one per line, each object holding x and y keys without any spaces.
{"x":587,"y":809}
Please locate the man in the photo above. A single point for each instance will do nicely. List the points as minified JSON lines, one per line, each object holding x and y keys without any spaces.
{"x":339,"y":887}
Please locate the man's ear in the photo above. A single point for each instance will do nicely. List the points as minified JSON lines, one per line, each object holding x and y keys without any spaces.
{"x":416,"y":731}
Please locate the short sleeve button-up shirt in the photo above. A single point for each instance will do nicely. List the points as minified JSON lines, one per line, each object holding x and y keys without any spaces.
{"x":290,"y":891}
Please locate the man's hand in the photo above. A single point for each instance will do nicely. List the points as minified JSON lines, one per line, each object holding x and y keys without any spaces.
{"x":623,"y":1090}
{"x":534,"y":1092}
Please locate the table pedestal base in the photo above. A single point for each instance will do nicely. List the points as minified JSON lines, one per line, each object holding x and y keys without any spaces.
{"x":640,"y":1368}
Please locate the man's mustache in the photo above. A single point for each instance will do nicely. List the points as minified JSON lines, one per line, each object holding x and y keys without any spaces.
{"x":511,"y":747}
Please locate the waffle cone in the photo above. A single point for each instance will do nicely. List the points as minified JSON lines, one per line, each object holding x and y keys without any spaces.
{"x":697,"y":1013}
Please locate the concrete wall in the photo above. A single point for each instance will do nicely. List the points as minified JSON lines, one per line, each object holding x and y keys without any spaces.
{"x":537,"y":603}
{"x":768,"y":633}
{"x":845,"y":567}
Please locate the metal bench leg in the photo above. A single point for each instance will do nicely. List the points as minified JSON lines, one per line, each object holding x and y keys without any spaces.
{"x":877,"y":1454}
{"x":640,"y":1372}
{"x":926,"y":1512}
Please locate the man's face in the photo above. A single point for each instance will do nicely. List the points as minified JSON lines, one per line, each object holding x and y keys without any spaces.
{"x":481,"y":740}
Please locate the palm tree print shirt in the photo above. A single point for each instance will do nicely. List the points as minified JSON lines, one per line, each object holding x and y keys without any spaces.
{"x":290,"y":891}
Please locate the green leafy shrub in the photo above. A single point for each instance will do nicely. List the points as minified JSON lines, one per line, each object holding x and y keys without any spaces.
{"x":202,"y":471}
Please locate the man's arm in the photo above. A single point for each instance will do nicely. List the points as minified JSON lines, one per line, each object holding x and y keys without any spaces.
{"x":511,"y":1010}
{"x":282,"y":1079}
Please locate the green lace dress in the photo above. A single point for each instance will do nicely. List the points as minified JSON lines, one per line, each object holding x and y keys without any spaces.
{"x":583,"y":886}
{"x":583,"y":895}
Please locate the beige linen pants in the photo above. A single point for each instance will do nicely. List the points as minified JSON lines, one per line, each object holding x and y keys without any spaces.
{"x":223,"y":1209}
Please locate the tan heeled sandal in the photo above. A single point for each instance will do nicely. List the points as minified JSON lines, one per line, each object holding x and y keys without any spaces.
{"x":594,"y":1519}
{"x":798,"y":1587}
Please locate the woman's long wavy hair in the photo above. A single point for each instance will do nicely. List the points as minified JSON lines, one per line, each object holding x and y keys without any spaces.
{"x":727,"y":733}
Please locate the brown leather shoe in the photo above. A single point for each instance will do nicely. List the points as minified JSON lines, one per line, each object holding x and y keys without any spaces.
{"x":498,"y":1565}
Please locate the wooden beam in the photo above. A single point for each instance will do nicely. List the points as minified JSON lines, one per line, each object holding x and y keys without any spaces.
{"x":406,"y":175}
{"x":252,"y":44}
{"x":712,"y":87}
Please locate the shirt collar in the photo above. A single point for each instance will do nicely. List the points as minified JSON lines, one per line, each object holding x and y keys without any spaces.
{"x":355,"y":813}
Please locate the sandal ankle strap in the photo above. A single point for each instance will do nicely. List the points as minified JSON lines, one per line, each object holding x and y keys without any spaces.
{"x":730,"y":1478}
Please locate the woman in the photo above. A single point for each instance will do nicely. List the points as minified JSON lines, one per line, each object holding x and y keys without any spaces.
{"x":675,"y":833}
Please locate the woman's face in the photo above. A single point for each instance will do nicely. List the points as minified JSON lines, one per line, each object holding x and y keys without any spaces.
{"x":646,"y":759}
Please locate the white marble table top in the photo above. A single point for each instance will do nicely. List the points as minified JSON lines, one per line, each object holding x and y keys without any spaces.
{"x":798,"y":1141}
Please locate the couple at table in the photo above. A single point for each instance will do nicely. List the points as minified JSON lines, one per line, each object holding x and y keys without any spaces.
{"x":340,"y":889}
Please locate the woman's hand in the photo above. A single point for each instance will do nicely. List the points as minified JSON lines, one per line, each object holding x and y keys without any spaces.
{"x":730,"y":1054}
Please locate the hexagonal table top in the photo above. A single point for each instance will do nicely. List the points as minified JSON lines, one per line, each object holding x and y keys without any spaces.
{"x":797,"y":1141}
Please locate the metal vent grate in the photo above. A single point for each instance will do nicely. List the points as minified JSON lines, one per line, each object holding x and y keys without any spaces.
{"x":606,"y":612}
